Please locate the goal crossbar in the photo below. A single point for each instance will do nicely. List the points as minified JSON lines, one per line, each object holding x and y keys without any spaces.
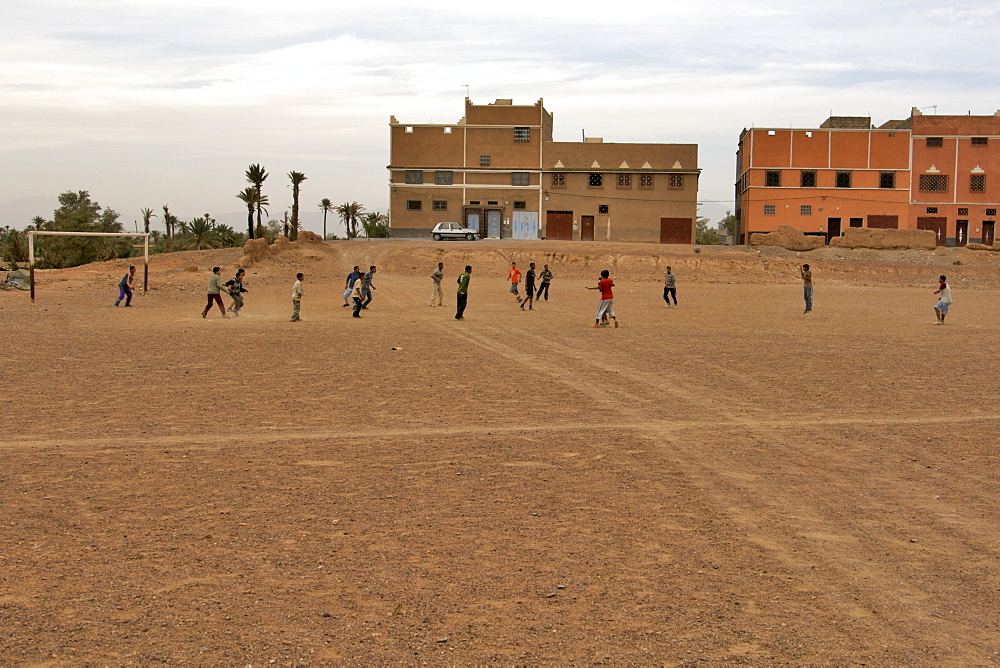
{"x":39,"y":233}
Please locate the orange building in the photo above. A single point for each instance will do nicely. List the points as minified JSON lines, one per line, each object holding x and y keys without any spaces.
{"x":925,"y":172}
{"x":498,"y":171}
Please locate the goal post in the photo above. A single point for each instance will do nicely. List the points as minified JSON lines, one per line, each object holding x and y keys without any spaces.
{"x":37,"y":233}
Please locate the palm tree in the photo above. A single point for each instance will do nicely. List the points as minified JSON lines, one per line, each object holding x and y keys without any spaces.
{"x":296,"y":178}
{"x":376,"y":225}
{"x":227,"y":236}
{"x":326,"y":206}
{"x":146,"y":215}
{"x":249,"y":197}
{"x":201,"y":233}
{"x":168,"y":220}
{"x":349,"y":212}
{"x":256,"y":176}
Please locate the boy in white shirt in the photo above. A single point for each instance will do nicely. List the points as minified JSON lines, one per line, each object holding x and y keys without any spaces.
{"x":941,"y":308}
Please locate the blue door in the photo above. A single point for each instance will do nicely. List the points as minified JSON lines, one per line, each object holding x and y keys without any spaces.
{"x":493,"y":220}
{"x":472,"y":221}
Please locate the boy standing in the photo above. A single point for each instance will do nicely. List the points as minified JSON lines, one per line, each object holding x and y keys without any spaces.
{"x":436,"y":293}
{"x":529,"y":287}
{"x":669,"y":287}
{"x":807,"y":286}
{"x":941,"y":308}
{"x":297,"y":297}
{"x":215,"y":293}
{"x":125,"y":288}
{"x":546,"y":277}
{"x":606,"y":307}
{"x":463,"y":292}
{"x":514,"y":276}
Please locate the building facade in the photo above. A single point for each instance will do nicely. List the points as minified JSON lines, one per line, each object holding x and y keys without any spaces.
{"x":924,"y":172}
{"x":499,"y":172}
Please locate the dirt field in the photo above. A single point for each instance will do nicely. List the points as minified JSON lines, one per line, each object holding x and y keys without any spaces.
{"x":729,"y":481}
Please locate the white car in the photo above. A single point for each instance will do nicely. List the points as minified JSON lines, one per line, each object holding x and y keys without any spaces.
{"x":453,"y":231}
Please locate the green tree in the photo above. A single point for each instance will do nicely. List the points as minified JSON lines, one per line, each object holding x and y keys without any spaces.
{"x":256,"y":175}
{"x":296,"y":178}
{"x":703,"y":234}
{"x":729,"y":224}
{"x":13,"y":246}
{"x":78,"y":213}
{"x":376,"y":225}
{"x":326,"y":206}
{"x":228,"y":237}
{"x":350,"y":212}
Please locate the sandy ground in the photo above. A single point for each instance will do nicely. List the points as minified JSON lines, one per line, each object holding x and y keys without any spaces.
{"x":729,"y":481}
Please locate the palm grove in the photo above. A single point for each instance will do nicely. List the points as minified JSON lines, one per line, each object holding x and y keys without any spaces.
{"x":77,"y":212}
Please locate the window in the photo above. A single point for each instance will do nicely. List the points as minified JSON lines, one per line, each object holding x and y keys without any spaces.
{"x":520,"y":205}
{"x":646,"y":181}
{"x":602,"y":208}
{"x":977,"y":183}
{"x":522,"y":134}
{"x":887,"y":180}
{"x":935,"y":142}
{"x":473,"y":201}
{"x":484,"y":161}
{"x":991,"y":212}
{"x":491,"y":202}
{"x":932,"y":209}
{"x":447,"y":131}
{"x":519,"y":179}
{"x":443,"y":178}
{"x":676,"y":181}
{"x":805,"y":210}
{"x":772,"y":178}
{"x":843,"y":179}
{"x":980,"y":141}
{"x":807,"y":180}
{"x":963,"y":211}
{"x":440,"y":205}
{"x":409,"y":129}
{"x":413,"y":205}
{"x":769,"y":209}
{"x":625,"y":181}
{"x":414,"y":176}
{"x":558,"y":180}
{"x":596,"y":181}
{"x":934,"y":182}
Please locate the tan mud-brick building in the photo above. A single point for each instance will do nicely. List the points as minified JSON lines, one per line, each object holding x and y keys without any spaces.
{"x":498,"y":171}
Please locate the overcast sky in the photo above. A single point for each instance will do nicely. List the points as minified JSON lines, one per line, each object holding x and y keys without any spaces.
{"x":148,"y":102}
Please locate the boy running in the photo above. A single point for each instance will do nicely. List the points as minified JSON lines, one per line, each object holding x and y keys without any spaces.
{"x":941,"y":308}
{"x":529,"y":288}
{"x":669,"y":287}
{"x":125,"y":288}
{"x":514,"y":276}
{"x":546,"y":277}
{"x":606,"y":307}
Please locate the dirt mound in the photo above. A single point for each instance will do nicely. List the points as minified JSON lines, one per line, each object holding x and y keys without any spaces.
{"x":788,"y":237}
{"x":864,"y":237}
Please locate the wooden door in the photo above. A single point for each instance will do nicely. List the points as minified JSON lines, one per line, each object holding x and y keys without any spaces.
{"x":988,"y":229}
{"x":586,"y":228}
{"x":676,"y":231}
{"x":937,"y":224}
{"x":961,"y":232}
{"x":883,"y":222}
{"x":832,"y":228}
{"x":559,"y":225}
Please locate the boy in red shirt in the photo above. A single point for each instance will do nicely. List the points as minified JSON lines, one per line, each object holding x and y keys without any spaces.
{"x":606,"y":307}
